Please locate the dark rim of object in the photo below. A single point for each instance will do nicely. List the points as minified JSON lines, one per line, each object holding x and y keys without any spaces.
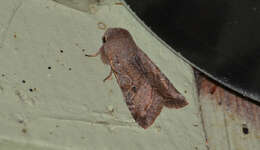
{"x":220,"y":38}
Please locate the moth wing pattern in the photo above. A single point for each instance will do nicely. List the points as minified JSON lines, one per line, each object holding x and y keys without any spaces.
{"x":143,"y":101}
{"x":171,"y":97}
{"x":145,"y":88}
{"x":141,"y":90}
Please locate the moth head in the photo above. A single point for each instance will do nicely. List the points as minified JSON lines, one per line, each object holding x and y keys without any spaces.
{"x":115,"y":33}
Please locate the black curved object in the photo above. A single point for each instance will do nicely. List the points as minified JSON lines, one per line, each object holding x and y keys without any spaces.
{"x":220,"y":37}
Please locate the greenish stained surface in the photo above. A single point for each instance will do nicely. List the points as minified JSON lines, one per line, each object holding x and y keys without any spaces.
{"x":62,"y":102}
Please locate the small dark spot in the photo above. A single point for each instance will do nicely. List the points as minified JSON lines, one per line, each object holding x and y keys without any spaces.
{"x":31,"y":90}
{"x":70,"y":69}
{"x":102,"y":122}
{"x":104,"y":39}
{"x":213,"y":89}
{"x":14,"y":35}
{"x":49,"y":67}
{"x":245,"y":129}
{"x":21,"y":121}
{"x":195,"y":125}
{"x":23,"y":81}
{"x":185,"y":91}
{"x":3,"y":75}
{"x":83,"y":50}
{"x":134,"y":89}
{"x":61,"y":51}
{"x":57,"y":126}
{"x":50,"y":133}
{"x":24,"y":130}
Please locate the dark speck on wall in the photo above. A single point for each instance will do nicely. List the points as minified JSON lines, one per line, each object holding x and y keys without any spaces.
{"x":245,"y":129}
{"x":24,"y":130}
{"x":21,"y":121}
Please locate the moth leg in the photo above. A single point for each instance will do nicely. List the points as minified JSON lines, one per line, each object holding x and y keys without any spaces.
{"x":109,"y":76}
{"x":93,"y":55}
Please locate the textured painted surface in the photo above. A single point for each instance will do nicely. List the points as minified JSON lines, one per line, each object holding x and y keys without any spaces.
{"x":52,"y":96}
{"x":230,"y":121}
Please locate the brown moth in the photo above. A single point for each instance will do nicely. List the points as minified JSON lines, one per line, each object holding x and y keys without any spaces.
{"x":145,"y":88}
